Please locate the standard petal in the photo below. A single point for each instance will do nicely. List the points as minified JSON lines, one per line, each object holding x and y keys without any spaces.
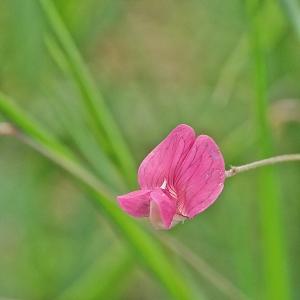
{"x":136,"y":203}
{"x":161,"y":163}
{"x":201,"y":177}
{"x":162,"y":210}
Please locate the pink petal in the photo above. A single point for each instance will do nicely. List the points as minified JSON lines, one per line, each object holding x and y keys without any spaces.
{"x":136,"y":203}
{"x":161,"y":163}
{"x":162,"y":210}
{"x":201,"y":177}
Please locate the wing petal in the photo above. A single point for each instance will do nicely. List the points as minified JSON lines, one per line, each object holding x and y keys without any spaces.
{"x":201,"y":177}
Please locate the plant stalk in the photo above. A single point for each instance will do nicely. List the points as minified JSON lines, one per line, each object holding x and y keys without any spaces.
{"x":261,"y":163}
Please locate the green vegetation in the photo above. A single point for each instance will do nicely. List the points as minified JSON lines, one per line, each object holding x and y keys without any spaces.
{"x":91,"y":87}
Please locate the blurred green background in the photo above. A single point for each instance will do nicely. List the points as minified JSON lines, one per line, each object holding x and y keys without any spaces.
{"x":210,"y":64}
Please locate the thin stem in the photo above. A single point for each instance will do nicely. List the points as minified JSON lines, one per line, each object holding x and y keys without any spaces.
{"x":220,"y":282}
{"x":261,"y":163}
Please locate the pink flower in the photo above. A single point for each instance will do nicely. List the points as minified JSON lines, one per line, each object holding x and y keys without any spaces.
{"x":179,"y":179}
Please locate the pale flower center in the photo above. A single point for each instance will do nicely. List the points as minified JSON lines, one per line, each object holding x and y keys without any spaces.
{"x":169,"y":189}
{"x":164,"y":185}
{"x":178,"y":217}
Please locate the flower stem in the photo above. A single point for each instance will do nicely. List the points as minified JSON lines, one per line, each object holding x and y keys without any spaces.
{"x":261,"y":163}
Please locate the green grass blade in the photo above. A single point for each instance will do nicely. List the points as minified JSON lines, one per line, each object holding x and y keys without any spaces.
{"x":276,"y":279}
{"x":144,"y":246}
{"x":94,"y":102}
{"x":8,"y":108}
{"x":83,"y":142}
{"x":62,"y":62}
{"x":78,"y":126}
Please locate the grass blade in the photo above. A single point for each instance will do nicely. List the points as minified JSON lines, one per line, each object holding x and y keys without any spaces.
{"x":30,"y":126}
{"x":94,"y":102}
{"x":274,"y":255}
{"x":146,"y":248}
{"x":79,"y":128}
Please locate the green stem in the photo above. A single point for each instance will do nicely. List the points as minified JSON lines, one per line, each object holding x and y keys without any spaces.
{"x":261,"y":163}
{"x":276,"y":279}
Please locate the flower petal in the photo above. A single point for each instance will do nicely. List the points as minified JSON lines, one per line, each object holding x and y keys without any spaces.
{"x":162,"y":210}
{"x":201,"y":177}
{"x":161,"y":163}
{"x":136,"y":203}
